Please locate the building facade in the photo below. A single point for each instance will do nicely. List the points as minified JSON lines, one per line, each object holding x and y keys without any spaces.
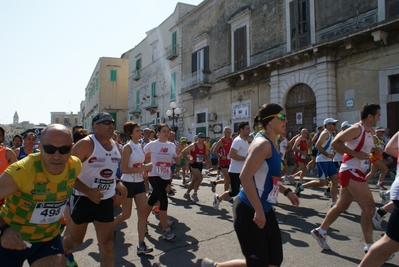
{"x":155,"y":72}
{"x":317,"y":59}
{"x":69,"y":119}
{"x":106,"y":91}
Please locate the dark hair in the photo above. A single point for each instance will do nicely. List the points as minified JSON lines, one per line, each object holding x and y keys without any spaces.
{"x":369,"y":109}
{"x":242,"y":125}
{"x":129,"y":126}
{"x":268,"y":110}
{"x":17,"y":136}
{"x":80,"y":134}
{"x":2,"y":131}
{"x":161,"y":125}
{"x":77,"y":127}
{"x":30,"y":133}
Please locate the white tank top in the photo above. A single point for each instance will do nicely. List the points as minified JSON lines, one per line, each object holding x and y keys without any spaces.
{"x":99,"y":170}
{"x":162,"y":155}
{"x":327,"y":147}
{"x":395,"y":186}
{"x":364,"y":143}
{"x":136,"y":160}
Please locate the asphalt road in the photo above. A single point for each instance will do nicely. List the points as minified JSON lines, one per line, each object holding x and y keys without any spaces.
{"x":203,"y":232}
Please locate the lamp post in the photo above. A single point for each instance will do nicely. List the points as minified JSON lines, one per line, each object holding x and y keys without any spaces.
{"x":173,"y":114}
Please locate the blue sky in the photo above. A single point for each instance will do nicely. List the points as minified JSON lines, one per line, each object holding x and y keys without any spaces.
{"x":49,"y":49}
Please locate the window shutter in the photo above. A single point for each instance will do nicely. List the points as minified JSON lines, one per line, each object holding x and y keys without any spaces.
{"x":293,"y":19}
{"x":193,"y":62}
{"x":174,"y":42}
{"x":173,"y":86}
{"x":206,"y":57}
{"x":240,"y":46}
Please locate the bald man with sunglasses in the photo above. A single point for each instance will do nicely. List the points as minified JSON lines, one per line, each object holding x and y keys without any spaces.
{"x":36,"y":189}
{"x":92,"y":199}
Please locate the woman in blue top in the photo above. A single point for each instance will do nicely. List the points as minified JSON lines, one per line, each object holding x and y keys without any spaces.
{"x":254,"y":220}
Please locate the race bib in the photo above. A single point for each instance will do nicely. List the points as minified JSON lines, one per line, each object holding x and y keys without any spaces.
{"x":273,"y":195}
{"x":47,"y":212}
{"x":104,"y":184}
{"x":303,"y":156}
{"x":199,"y":158}
{"x":163,"y":168}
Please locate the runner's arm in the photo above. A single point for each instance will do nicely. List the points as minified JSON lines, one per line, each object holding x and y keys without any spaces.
{"x":392,"y":147}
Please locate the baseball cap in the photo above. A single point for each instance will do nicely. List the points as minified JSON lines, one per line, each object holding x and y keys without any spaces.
{"x":346,"y":124}
{"x":183,"y":139}
{"x":380,"y":129}
{"x":100,"y":117}
{"x":330,"y":120}
{"x":201,"y":135}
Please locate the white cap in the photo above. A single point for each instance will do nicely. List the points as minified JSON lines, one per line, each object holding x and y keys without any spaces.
{"x":346,"y":124}
{"x":329,"y":120}
{"x":380,"y":129}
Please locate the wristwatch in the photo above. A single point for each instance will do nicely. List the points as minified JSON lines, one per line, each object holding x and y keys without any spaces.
{"x":3,"y":228}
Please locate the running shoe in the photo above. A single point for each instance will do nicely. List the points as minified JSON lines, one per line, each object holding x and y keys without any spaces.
{"x":185,"y":182}
{"x":194,"y":197}
{"x":385,"y":197}
{"x":167,"y":234}
{"x":143,"y":249}
{"x":218,"y":177}
{"x":155,"y":211}
{"x":213,"y":186}
{"x":171,"y":193}
{"x":327,"y":194}
{"x":321,"y":239}
{"x":216,"y":202}
{"x":170,"y":222}
{"x":377,"y":220}
{"x":208,"y":263}
{"x":230,"y":199}
{"x":70,"y":261}
{"x":187,"y":196}
{"x":298,"y":189}
{"x":206,"y":172}
{"x":291,"y":179}
{"x":381,"y":186}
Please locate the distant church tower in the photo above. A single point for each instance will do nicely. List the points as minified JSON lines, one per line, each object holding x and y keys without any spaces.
{"x":16,"y":118}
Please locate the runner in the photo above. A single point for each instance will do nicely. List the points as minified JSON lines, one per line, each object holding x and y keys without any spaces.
{"x":162,"y":155}
{"x":359,"y":144}
{"x":300,"y":151}
{"x":254,"y":219}
{"x":222,"y":150}
{"x":324,"y":160}
{"x":30,"y":223}
{"x":28,"y":147}
{"x":196,"y":154}
{"x":92,"y":200}
{"x":382,"y":249}
{"x":134,"y":172}
{"x":183,"y":163}
{"x":238,"y":154}
{"x":16,"y":142}
{"x":7,"y":157}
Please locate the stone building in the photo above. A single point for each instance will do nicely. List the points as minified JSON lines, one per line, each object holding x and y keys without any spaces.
{"x":317,"y":59}
{"x":69,"y":119}
{"x":155,"y":72}
{"x":106,"y":91}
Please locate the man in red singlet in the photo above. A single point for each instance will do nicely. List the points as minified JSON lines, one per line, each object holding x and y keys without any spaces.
{"x":7,"y":157}
{"x":359,"y":144}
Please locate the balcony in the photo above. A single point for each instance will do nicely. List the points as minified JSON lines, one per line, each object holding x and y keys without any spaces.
{"x":152,"y":107}
{"x":197,"y":84}
{"x":136,"y":113}
{"x":136,"y":75}
{"x":172,"y":52}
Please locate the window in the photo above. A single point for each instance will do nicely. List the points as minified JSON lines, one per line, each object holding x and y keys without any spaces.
{"x":300,"y":23}
{"x":240,"y":48}
{"x":392,"y":8}
{"x":201,"y":117}
{"x":137,"y":100}
{"x":174,"y":43}
{"x":394,"y":84}
{"x":57,"y":120}
{"x":76,"y":121}
{"x":96,"y":83}
{"x":153,"y":93}
{"x":113,"y":114}
{"x":173,"y":86}
{"x":200,"y":60}
{"x":154,"y":54}
{"x":112,"y":75}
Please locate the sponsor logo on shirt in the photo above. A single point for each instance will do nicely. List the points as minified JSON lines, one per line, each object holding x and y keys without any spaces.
{"x":106,"y":173}
{"x":95,"y":159}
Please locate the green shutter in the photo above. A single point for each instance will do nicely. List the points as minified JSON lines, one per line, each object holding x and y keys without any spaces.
{"x":112,"y":75}
{"x":113,"y":114}
{"x":173,"y":86}
{"x":153,"y":93}
{"x":138,"y":64}
{"x":174,"y":42}
{"x":138,"y":100}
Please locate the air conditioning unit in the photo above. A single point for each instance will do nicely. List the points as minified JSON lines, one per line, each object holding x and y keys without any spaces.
{"x":212,"y":116}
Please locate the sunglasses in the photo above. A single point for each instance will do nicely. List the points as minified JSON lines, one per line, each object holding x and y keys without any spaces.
{"x":50,"y":149}
{"x":107,"y":122}
{"x":281,"y":117}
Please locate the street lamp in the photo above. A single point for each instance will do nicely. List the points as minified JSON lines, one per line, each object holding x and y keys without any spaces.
{"x":173,"y":114}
